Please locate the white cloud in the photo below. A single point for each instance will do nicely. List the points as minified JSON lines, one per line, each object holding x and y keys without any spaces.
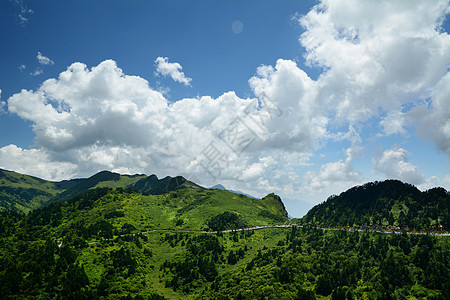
{"x":23,"y":16}
{"x":290,"y":95}
{"x":35,"y":162}
{"x":2,"y":103}
{"x":86,"y":107}
{"x":334,"y":175}
{"x":44,"y":60}
{"x":101,"y":118}
{"x":22,"y":67}
{"x":36,"y":72}
{"x":394,"y":123}
{"x":165,"y":68}
{"x":366,"y":49}
{"x":435,"y":181}
{"x":434,"y":123}
{"x":394,"y":165}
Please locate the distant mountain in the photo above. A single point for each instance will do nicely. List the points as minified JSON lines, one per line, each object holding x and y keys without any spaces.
{"x":23,"y":193}
{"x":221,"y":187}
{"x":387,"y":203}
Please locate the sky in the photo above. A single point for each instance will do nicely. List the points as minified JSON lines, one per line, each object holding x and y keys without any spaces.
{"x":301,"y":98}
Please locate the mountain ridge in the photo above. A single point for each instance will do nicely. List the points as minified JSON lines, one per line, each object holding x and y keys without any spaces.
{"x":24,"y":193}
{"x":387,"y":203}
{"x":116,"y":242}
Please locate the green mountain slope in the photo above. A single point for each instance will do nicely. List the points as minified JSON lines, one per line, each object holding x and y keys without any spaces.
{"x":186,"y":209}
{"x":19,"y":192}
{"x":23,"y":193}
{"x":101,"y":179}
{"x":387,"y":203}
{"x":122,"y":244}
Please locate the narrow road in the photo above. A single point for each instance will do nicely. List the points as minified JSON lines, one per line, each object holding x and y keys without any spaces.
{"x":286,"y":226}
{"x":295,"y":225}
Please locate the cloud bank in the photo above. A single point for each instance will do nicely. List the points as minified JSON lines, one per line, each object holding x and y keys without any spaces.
{"x":90,"y":119}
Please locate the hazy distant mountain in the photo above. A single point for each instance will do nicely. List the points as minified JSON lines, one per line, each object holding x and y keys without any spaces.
{"x":221,"y":187}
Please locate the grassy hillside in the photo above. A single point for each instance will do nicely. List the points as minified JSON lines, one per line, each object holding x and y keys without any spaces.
{"x":387,"y":203}
{"x":101,"y":179}
{"x":94,"y":247}
{"x":23,"y":193}
{"x":19,"y":192}
{"x":125,"y":244}
{"x":186,"y":209}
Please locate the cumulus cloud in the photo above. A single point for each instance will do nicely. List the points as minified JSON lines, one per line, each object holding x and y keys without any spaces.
{"x":44,"y":60}
{"x":290,"y":94}
{"x":366,"y":50}
{"x":86,"y":107}
{"x":394,"y":164}
{"x":394,"y":123}
{"x":336,"y":174}
{"x":100,"y":118}
{"x":36,"y":162}
{"x":434,"y":123}
{"x":435,"y":181}
{"x":165,"y":68}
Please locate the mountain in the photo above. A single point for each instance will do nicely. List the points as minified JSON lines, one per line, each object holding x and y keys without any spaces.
{"x":386,"y":203}
{"x":115,"y":242}
{"x":221,"y":187}
{"x":179,"y":200}
{"x":23,"y":193}
{"x":123,"y":244}
{"x":154,"y":186}
{"x":145,"y":184}
{"x":19,"y":192}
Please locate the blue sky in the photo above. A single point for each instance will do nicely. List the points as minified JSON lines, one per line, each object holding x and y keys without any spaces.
{"x":349,"y":92}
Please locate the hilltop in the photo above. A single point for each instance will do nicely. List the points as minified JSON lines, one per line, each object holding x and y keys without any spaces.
{"x":23,"y":193}
{"x":142,"y":201}
{"x":389,"y":203}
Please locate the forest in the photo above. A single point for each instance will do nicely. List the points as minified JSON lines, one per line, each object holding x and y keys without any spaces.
{"x":381,"y":204}
{"x":44,"y":256}
{"x":169,"y":241}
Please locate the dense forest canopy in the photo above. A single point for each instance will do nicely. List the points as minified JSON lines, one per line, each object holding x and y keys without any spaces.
{"x":387,"y":203}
